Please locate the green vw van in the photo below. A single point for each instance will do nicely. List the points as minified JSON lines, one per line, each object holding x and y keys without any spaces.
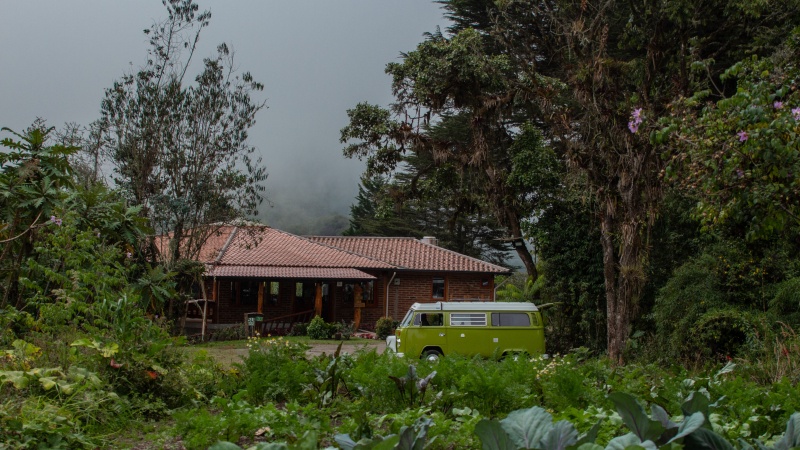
{"x":431,"y":330}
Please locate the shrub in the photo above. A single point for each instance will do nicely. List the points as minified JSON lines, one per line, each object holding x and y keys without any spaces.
{"x":234,"y":333}
{"x":298,"y":329}
{"x":384,"y":327}
{"x":318,"y":329}
{"x":276,"y":369}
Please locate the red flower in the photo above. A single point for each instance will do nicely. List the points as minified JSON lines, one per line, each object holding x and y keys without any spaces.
{"x":151,"y":374}
{"x":114,"y":364}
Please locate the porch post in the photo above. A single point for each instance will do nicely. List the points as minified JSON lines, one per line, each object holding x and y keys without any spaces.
{"x":261,"y":297}
{"x":358,"y":302}
{"x":318,"y":300}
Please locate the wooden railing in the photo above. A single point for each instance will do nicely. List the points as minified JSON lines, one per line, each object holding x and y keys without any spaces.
{"x":283,"y":325}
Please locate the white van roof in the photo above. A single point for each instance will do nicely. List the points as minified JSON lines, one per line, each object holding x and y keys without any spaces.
{"x":475,"y":306}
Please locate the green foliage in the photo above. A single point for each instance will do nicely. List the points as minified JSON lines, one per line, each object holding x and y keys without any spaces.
{"x":318,"y":329}
{"x":200,"y":429}
{"x":412,"y":388}
{"x":299,"y":329}
{"x":409,"y":438}
{"x":725,"y":302}
{"x":275,"y":370}
{"x":384,"y":327}
{"x":738,"y":154}
{"x":328,"y":383}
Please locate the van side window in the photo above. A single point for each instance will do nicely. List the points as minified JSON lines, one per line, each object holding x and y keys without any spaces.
{"x":468,"y":319}
{"x":429,"y":319}
{"x":511,"y":320}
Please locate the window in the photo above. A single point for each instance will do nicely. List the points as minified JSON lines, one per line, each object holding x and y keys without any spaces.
{"x":367,"y":293}
{"x":438,"y":287}
{"x":248,"y":293}
{"x":298,"y":291}
{"x":429,"y":319}
{"x":274,"y":290}
{"x":468,"y":319}
{"x":511,"y":320}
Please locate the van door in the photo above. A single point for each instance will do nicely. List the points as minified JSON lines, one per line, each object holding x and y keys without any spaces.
{"x":469,"y":334}
{"x":427,"y":333}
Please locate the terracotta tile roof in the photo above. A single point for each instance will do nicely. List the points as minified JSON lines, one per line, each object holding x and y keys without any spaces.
{"x":409,"y":253}
{"x":210,"y":250}
{"x":309,"y":273}
{"x":264,"y":246}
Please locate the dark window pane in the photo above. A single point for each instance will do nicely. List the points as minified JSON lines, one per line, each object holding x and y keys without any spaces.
{"x":438,"y":287}
{"x":511,"y":320}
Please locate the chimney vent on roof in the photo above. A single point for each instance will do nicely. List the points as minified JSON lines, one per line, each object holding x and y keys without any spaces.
{"x":430,"y":240}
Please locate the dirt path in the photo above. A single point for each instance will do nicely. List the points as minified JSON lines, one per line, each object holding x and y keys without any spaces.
{"x":229,"y":354}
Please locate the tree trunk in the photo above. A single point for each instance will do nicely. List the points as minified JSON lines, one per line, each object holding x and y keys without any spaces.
{"x":522,"y":251}
{"x":614,"y":343}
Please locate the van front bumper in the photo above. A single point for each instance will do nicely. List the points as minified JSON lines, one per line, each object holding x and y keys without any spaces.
{"x":391,"y":343}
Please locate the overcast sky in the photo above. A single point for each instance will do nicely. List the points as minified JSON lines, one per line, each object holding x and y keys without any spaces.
{"x":316,"y":59}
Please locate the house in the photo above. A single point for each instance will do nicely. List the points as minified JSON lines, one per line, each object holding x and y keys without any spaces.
{"x":288,"y":278}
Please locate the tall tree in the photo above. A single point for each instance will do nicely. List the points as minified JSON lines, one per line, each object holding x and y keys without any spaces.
{"x":616,"y":66}
{"x":455,"y":108}
{"x":592,"y":76}
{"x":180,"y":149}
{"x":34,"y":177}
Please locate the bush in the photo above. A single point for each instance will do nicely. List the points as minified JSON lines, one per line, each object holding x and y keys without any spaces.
{"x":384,"y":327}
{"x":234,"y":333}
{"x":275,"y":369}
{"x":298,"y":329}
{"x":318,"y":329}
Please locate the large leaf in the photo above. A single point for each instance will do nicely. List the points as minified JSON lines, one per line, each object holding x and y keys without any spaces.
{"x":590,"y":435}
{"x":791,"y":438}
{"x":562,"y":435}
{"x":697,"y":402}
{"x":635,"y":418}
{"x":705,"y":439}
{"x":345,"y":441}
{"x":527,"y":427}
{"x":493,"y":436}
{"x":660,"y":414}
{"x":630,"y":440}
{"x":689,"y":425}
{"x":224,"y":445}
{"x":15,"y":377}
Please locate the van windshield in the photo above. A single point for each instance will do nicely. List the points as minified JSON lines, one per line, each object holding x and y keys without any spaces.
{"x":407,"y":319}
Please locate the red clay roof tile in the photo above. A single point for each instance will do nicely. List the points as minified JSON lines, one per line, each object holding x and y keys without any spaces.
{"x":409,"y":253}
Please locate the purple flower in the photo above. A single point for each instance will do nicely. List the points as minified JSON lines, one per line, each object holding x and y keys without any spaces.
{"x":796,"y":113}
{"x":778,"y":104}
{"x":55,"y":220}
{"x":739,"y":173}
{"x":743,"y":136}
{"x":636,"y":115}
{"x":129,"y":255}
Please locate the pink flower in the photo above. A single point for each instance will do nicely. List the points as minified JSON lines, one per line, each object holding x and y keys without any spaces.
{"x":796,"y":113}
{"x":743,"y":136}
{"x":128,"y":255}
{"x":636,"y":115}
{"x":55,"y":220}
{"x":778,"y":104}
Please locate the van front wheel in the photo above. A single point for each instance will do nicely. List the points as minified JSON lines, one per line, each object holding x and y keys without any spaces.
{"x":432,"y":355}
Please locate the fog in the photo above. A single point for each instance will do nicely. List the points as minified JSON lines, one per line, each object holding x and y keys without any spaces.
{"x":315,"y":58}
